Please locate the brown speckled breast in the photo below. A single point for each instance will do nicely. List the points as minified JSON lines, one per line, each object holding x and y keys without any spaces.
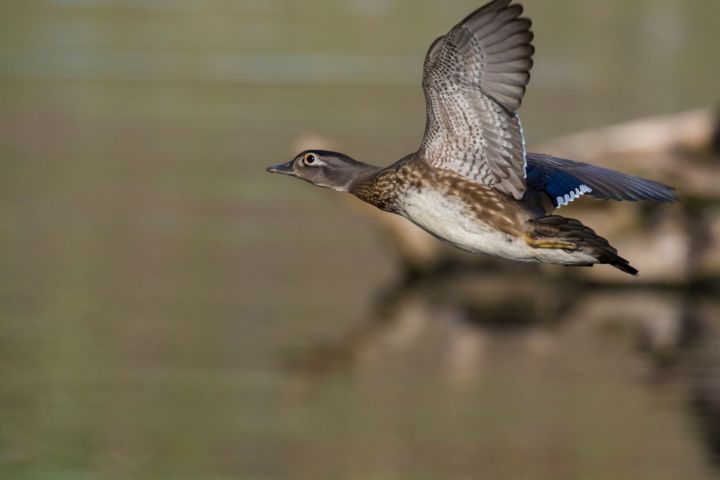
{"x":388,"y":187}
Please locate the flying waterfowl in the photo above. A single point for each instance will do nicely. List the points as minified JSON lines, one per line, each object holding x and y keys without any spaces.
{"x":472,"y":183}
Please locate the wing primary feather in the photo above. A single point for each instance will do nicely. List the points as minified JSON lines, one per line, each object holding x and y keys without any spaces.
{"x":474,"y":82}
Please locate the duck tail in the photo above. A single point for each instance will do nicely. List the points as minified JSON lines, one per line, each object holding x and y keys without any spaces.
{"x":554,"y":231}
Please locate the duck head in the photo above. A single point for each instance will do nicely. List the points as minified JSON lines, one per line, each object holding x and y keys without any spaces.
{"x":325,"y":169}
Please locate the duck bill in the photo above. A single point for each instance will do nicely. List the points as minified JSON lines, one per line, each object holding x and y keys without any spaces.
{"x":282,"y":168}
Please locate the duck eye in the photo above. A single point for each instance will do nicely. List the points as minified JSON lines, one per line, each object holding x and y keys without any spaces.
{"x":309,"y":159}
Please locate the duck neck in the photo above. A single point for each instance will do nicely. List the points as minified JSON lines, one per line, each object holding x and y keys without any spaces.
{"x":362,"y":173}
{"x":375,"y":188}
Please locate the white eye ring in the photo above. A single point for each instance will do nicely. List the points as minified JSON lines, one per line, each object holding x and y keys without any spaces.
{"x":311,"y":160}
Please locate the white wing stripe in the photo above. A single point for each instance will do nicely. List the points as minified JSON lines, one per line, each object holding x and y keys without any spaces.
{"x":573,"y":195}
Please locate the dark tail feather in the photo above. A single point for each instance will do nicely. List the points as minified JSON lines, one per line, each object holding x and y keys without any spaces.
{"x":584,"y":238}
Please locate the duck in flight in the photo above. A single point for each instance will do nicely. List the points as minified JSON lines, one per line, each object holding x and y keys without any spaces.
{"x":472,"y":183}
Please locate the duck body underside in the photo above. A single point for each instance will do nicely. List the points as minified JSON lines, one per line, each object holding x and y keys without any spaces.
{"x":456,"y":222}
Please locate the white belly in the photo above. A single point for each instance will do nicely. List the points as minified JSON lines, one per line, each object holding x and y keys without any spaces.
{"x":450,"y":220}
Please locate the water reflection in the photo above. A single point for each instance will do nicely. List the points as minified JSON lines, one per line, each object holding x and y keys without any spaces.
{"x":704,"y":346}
{"x":479,"y":324}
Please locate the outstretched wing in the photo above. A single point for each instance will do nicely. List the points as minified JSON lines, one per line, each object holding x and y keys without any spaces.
{"x":566,"y":180}
{"x":474,"y":80}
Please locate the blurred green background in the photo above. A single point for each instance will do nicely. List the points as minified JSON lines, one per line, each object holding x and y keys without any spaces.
{"x":170,"y":311}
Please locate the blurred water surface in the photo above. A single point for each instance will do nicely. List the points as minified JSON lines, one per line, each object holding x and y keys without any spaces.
{"x":168,"y":310}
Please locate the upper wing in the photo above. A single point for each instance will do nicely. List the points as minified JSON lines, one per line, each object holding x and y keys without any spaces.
{"x":566,"y":180}
{"x":474,"y":80}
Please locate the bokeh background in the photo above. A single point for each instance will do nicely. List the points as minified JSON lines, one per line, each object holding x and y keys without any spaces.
{"x":170,"y":311}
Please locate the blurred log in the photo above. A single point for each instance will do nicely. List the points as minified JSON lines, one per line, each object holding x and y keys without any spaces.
{"x":693,"y":131}
{"x":670,"y":244}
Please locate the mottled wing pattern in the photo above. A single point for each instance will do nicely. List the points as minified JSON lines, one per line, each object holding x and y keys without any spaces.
{"x":474,"y":80}
{"x":566,"y":180}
